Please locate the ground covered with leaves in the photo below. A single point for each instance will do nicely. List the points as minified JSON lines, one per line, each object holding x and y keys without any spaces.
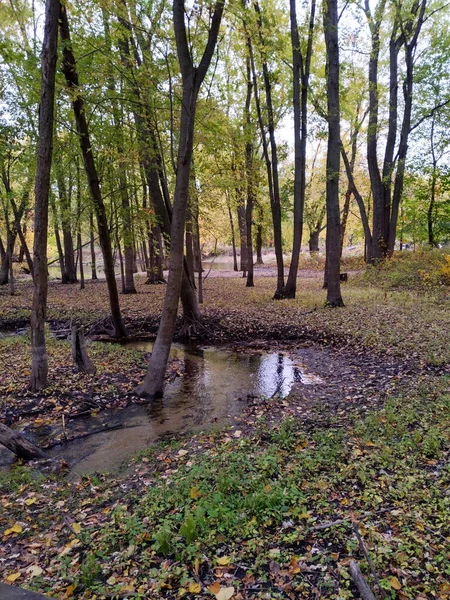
{"x":275,"y":505}
{"x":270,"y":508}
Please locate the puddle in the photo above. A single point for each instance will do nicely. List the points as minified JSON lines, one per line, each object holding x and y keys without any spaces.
{"x":213,"y":390}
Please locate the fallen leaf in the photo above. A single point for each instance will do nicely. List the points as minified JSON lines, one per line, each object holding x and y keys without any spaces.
{"x":195,"y":493}
{"x":76,"y":527}
{"x":195,"y":588}
{"x":182,"y":452}
{"x":13,"y":577}
{"x":214,"y":588}
{"x":35,"y":571}
{"x":69,"y":591}
{"x":395,"y":583}
{"x":30,"y":501}
{"x":225,"y":593}
{"x":223,"y":560}
{"x":16,"y":528}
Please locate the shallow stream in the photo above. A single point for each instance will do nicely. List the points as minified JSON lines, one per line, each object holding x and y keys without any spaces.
{"x":214,"y":389}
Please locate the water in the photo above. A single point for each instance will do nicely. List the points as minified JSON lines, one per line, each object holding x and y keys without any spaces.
{"x":214,"y":389}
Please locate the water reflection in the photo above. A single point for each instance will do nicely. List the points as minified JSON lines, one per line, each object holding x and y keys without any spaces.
{"x":215,"y":388}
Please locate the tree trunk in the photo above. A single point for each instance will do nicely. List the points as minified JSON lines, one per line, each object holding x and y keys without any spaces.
{"x":243,"y":236}
{"x":314,"y":241}
{"x":259,"y":241}
{"x":69,"y":253}
{"x":272,"y":162}
{"x":39,"y":368}
{"x":18,"y":444}
{"x":189,"y":246}
{"x":410,"y":50}
{"x":192,"y":78}
{"x":301,"y":70}
{"x":249,"y":177}
{"x":430,"y":211}
{"x":330,"y":23}
{"x":71,"y":75}
{"x":92,"y":247}
{"x":7,"y":258}
{"x":233,"y":237}
{"x":79,"y":352}
{"x":62,"y":267}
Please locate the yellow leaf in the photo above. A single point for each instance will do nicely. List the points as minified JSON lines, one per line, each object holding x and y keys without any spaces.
{"x":111,"y":581}
{"x":223,"y":560}
{"x":76,"y":527}
{"x":195,"y":493}
{"x":12,"y":578}
{"x":214,"y":588}
{"x":16,"y":528}
{"x":195,"y":588}
{"x":395,"y":583}
{"x":267,"y":488}
{"x":225,"y":593}
{"x":30,"y":501}
{"x":69,"y":591}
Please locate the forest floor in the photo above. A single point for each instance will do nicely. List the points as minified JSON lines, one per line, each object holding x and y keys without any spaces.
{"x":276,"y":504}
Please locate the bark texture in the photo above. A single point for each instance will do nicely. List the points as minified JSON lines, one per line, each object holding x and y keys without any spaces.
{"x":332,"y":268}
{"x":39,"y":368}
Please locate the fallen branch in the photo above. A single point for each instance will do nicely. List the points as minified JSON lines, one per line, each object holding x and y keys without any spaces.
{"x":360,"y":582}
{"x":364,"y":550}
{"x":84,"y":435}
{"x":348,"y":520}
{"x":19,"y":444}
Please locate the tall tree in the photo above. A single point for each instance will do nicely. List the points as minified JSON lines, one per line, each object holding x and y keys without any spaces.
{"x":332,"y":268}
{"x":301,"y":65}
{"x":71,"y":75}
{"x":39,"y":369}
{"x":192,"y":79}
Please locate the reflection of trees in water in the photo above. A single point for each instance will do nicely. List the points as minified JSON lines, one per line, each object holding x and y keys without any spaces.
{"x":194,"y":371}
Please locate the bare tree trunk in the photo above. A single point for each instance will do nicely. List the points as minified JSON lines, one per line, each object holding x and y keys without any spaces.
{"x":92,"y":247}
{"x":39,"y":369}
{"x":62,"y":267}
{"x":71,"y":75}
{"x":233,"y":237}
{"x":272,"y":160}
{"x":301,"y":70}
{"x":69,"y":253}
{"x":189,"y":245}
{"x":330,"y":23}
{"x":243,"y":236}
{"x":79,"y":352}
{"x":249,"y":176}
{"x":192,"y":78}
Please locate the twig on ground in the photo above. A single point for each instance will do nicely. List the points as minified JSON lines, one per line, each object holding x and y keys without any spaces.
{"x":364,"y":550}
{"x":348,"y":519}
{"x":360,"y":582}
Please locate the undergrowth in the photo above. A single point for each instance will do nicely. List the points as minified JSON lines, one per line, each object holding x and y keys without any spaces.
{"x":250,"y":512}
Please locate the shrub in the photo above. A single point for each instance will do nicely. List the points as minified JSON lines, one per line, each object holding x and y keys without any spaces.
{"x":422,"y":270}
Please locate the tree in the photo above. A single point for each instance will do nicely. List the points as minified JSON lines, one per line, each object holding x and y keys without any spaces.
{"x":301,"y":65}
{"x":332,"y":268}
{"x":39,"y":369}
{"x":71,"y":75}
{"x":192,"y":79}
